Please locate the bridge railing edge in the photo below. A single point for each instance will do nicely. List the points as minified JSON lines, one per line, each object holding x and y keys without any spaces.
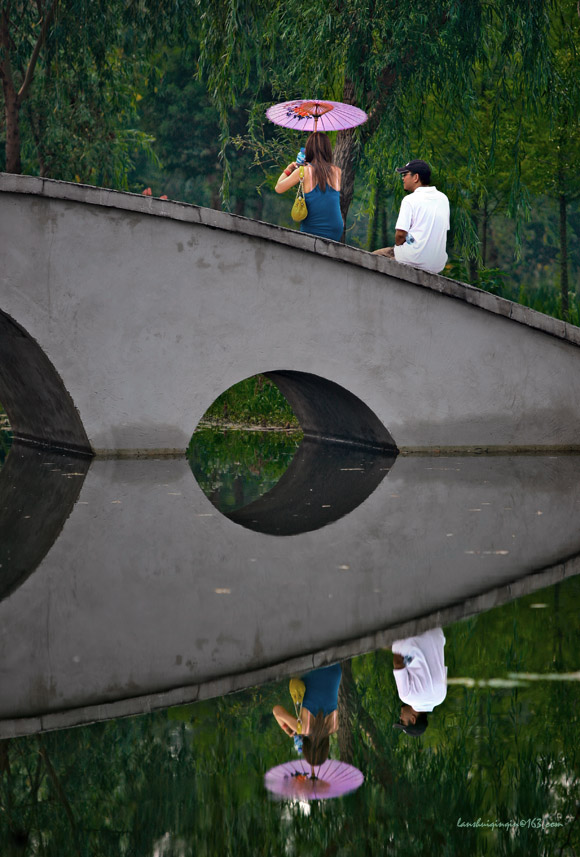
{"x":214,"y":219}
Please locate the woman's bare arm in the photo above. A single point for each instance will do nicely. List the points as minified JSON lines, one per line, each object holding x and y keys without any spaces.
{"x":285,"y":720}
{"x":332,"y":723}
{"x":285,"y":182}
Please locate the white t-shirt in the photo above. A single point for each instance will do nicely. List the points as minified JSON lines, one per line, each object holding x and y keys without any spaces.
{"x":424,"y":215}
{"x":422,"y":683}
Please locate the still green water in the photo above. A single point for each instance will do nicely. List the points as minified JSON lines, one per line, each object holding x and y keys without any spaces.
{"x":501,"y":749}
{"x":5,"y":436}
{"x":234,"y":468}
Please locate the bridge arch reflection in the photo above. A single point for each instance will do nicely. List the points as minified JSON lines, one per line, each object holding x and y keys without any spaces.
{"x":344,"y":455}
{"x":324,"y":482}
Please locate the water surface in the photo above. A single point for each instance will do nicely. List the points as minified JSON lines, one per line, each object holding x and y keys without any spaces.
{"x":126,"y":588}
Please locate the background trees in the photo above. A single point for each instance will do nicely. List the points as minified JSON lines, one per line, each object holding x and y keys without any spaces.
{"x":172,"y":96}
{"x":70,"y":74}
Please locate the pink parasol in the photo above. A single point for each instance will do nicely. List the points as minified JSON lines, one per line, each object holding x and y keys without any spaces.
{"x":315,"y":115}
{"x":293,"y":780}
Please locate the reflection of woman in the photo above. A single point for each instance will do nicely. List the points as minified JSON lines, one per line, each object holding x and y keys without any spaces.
{"x":319,"y":713}
{"x":321,"y":188}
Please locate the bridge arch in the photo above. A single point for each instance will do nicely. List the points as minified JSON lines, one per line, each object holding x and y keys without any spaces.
{"x":327,"y":411}
{"x":345,"y":453}
{"x":33,"y":395}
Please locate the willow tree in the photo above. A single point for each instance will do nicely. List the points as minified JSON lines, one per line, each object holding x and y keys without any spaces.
{"x":552,"y":146}
{"x":386,"y":57}
{"x":72,"y":49}
{"x":24,"y":28}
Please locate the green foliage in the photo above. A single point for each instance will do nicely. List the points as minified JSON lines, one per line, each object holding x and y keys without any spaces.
{"x":86,"y":134}
{"x":190,"y":781}
{"x":172,"y":95}
{"x":177,"y":110}
{"x":72,"y":70}
{"x":254,"y":401}
{"x":233,"y":468}
{"x":5,"y":436}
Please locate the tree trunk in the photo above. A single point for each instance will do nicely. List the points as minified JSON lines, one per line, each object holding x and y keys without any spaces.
{"x":344,"y":157}
{"x":373,"y":227}
{"x":384,"y":224}
{"x":12,"y":114}
{"x":346,"y":713}
{"x":259,"y":209}
{"x":484,"y":225}
{"x":563,"y":204}
{"x":377,"y":235}
{"x":14,"y":97}
{"x":472,"y":262}
{"x":4,"y":757}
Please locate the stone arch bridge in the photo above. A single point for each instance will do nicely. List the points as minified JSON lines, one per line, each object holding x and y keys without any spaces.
{"x":122,"y":318}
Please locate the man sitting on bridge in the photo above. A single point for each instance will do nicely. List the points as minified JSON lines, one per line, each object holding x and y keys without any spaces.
{"x":421,"y":228}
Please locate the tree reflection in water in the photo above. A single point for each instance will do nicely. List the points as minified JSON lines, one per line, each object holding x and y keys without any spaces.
{"x":189,"y":781}
{"x":5,"y":436}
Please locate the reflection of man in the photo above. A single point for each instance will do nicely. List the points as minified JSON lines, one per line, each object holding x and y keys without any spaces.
{"x":421,"y":228}
{"x":421,"y":676}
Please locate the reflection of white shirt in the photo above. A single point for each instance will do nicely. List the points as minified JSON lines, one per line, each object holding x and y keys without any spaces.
{"x":422,"y":683}
{"x":424,"y":215}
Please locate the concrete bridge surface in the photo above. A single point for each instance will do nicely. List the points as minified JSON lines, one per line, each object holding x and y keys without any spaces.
{"x":122,"y":318}
{"x":122,"y":588}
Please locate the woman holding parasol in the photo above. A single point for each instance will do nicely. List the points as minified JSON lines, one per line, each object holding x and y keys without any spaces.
{"x":321,"y":188}
{"x":321,"y":178}
{"x":318,"y":717}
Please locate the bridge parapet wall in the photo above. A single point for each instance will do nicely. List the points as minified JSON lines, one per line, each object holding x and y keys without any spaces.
{"x":148,"y":309}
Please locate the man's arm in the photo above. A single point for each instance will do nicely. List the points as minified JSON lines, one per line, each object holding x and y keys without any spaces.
{"x":403,"y":224}
{"x":398,"y":661}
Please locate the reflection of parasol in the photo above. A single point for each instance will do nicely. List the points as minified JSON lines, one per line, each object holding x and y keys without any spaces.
{"x":314,"y":115}
{"x":332,"y":779}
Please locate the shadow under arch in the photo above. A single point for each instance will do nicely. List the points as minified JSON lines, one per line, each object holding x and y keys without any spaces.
{"x":327,"y":411}
{"x":38,"y":490}
{"x":38,"y":406}
{"x":324,"y":482}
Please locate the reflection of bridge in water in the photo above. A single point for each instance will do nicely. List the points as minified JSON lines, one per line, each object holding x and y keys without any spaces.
{"x":122,"y":319}
{"x":144,"y":596}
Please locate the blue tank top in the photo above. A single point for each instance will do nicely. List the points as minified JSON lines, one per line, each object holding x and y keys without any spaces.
{"x":322,"y":689}
{"x":324,"y":217}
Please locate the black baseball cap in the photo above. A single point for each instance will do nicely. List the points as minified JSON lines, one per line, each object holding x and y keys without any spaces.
{"x":415,"y":167}
{"x":412,"y":729}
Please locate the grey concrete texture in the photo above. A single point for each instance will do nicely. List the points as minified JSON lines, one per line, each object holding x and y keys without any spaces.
{"x":147,"y":310}
{"x":150,"y":597}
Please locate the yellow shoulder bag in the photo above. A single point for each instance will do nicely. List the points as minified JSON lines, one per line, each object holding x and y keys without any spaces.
{"x":299,"y":210}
